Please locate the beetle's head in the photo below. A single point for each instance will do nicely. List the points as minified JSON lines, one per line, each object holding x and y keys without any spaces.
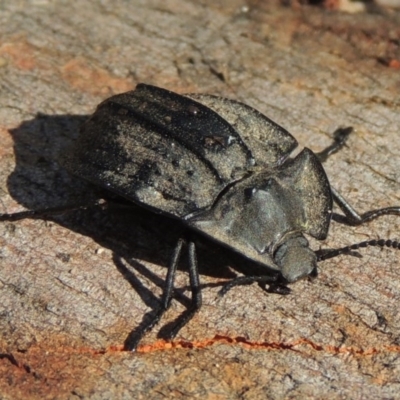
{"x":295,"y":259}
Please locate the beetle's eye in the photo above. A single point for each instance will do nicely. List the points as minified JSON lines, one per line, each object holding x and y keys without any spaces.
{"x":249,"y":193}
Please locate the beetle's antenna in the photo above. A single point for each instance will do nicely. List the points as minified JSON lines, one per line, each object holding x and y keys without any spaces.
{"x":326,"y":254}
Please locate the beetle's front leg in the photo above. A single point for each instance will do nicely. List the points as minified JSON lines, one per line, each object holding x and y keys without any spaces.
{"x":340,"y":137}
{"x":274,"y":282}
{"x":352,"y":217}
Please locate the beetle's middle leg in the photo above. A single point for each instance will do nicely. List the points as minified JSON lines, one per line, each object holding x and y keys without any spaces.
{"x":196,"y":293}
{"x":134,"y":337}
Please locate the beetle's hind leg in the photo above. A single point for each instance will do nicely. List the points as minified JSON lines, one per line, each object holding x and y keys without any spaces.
{"x":352,"y":217}
{"x":134,"y":337}
{"x":48,"y":212}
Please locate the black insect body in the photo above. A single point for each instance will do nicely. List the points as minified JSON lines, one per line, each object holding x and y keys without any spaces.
{"x":194,"y":161}
{"x":225,"y":171}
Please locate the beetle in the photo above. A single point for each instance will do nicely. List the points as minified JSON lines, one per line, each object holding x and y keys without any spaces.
{"x":226,"y":172}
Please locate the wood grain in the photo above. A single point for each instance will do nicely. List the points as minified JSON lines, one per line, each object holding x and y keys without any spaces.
{"x":72,"y":287}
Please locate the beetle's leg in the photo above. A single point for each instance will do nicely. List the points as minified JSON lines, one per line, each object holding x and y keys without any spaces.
{"x":47,"y":212}
{"x":273,"y":280}
{"x":135,"y":336}
{"x":196,"y":293}
{"x":340,"y":137}
{"x":352,"y":217}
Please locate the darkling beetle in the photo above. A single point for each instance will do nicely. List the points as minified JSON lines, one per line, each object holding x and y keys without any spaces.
{"x":225,"y":171}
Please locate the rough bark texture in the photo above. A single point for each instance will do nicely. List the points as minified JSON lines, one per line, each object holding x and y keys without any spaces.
{"x":72,"y":287}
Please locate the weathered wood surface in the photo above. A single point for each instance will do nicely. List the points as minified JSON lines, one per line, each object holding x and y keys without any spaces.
{"x":72,"y":288}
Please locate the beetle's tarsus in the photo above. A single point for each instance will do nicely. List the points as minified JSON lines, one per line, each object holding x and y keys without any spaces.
{"x":180,"y":322}
{"x":279,"y":288}
{"x":133,"y":339}
{"x":340,"y":137}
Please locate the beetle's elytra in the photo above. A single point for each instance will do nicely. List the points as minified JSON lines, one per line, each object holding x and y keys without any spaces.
{"x":225,"y":171}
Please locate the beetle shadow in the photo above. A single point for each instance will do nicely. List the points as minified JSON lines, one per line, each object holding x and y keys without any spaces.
{"x":39,"y":182}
